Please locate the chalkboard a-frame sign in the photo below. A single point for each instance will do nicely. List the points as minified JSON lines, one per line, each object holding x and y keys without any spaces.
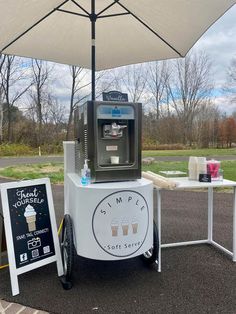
{"x":30,"y":227}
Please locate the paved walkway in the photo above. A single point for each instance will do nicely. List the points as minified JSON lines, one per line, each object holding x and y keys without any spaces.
{"x":14,"y":308}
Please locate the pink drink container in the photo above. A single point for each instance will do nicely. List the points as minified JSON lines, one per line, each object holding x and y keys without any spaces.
{"x":213,"y":167}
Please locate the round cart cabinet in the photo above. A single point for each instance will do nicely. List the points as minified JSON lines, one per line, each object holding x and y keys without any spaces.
{"x":111,"y":221}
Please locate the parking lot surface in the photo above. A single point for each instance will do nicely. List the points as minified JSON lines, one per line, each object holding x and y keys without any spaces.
{"x":196,"y":279}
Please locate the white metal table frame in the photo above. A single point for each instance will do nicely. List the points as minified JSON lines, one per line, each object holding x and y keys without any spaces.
{"x":185,"y":183}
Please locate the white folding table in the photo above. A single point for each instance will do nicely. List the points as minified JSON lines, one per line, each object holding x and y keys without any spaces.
{"x":185,"y":183}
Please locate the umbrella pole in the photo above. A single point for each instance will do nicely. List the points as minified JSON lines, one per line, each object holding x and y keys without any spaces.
{"x":93,"y":18}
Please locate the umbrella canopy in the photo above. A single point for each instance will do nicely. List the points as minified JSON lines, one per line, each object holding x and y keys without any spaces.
{"x":127,"y":31}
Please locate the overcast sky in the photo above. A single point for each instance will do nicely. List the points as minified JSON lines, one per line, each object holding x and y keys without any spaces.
{"x":219,"y":42}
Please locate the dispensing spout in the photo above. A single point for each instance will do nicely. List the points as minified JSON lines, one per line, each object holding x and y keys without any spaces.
{"x":113,"y":130}
{"x":117,"y":127}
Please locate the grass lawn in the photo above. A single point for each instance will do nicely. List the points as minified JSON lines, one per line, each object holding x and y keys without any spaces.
{"x":228,"y":166}
{"x":191,"y":152}
{"x":55,"y":171}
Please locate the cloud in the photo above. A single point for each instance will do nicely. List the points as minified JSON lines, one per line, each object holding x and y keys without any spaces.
{"x":219,"y":42}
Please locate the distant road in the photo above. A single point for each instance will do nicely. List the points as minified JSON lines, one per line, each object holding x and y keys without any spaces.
{"x":11,"y":161}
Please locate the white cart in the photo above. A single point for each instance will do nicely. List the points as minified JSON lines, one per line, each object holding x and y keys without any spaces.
{"x":106,"y":221}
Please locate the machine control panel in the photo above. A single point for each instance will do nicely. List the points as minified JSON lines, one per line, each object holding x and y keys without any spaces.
{"x":115,"y":112}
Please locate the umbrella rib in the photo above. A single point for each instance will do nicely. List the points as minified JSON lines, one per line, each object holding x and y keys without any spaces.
{"x":112,"y":15}
{"x":106,"y":8}
{"x":149,"y":28}
{"x":74,"y":13}
{"x":78,"y":5}
{"x":35,"y":24}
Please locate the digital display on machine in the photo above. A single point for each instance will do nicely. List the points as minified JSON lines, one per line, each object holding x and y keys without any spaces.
{"x":114,"y":112}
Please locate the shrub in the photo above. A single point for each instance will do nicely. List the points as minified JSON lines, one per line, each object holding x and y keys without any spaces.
{"x":171,"y":147}
{"x":16,"y":150}
{"x":26,"y":150}
{"x":153,"y":145}
{"x":49,"y":149}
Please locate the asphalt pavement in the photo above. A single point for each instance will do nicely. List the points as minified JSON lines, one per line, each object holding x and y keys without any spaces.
{"x":10,"y":161}
{"x":196,"y":279}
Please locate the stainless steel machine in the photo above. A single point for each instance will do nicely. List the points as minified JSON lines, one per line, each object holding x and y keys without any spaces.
{"x":108,"y":135}
{"x":108,"y":220}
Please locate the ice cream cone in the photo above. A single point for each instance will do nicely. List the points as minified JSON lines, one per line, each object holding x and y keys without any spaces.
{"x":31,"y":223}
{"x":30,"y":216}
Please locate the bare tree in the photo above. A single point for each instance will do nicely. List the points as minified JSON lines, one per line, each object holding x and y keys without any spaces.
{"x":78,"y":92}
{"x":206,"y":125}
{"x":230,"y":85}
{"x":232,"y":70}
{"x":133,"y":80}
{"x":56,"y":111}
{"x":190,"y":89}
{"x":41,"y":75}
{"x":14,"y":85}
{"x":157,"y":81}
{"x":2,"y":60}
{"x":105,"y":81}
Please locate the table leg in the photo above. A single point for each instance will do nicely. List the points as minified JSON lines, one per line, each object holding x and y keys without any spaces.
{"x":210,"y":214}
{"x":159,"y":227}
{"x":234,"y":226}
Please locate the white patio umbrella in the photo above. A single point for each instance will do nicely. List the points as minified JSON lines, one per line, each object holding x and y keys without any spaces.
{"x":127,"y":31}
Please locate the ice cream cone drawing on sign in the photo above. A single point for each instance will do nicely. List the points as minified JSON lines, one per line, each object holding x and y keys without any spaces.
{"x":125,"y":226}
{"x":114,"y":227}
{"x":134,"y":224}
{"x":30,"y":216}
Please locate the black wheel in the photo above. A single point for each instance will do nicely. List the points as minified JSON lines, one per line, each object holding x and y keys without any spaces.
{"x":67,"y":250}
{"x":67,"y":285}
{"x":151,"y":256}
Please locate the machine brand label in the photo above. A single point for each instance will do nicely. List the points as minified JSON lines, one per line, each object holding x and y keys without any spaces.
{"x":115,"y":96}
{"x":120,"y":223}
{"x":111,"y":148}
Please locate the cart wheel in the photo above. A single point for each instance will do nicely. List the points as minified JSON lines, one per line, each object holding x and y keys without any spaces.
{"x":67,"y":249}
{"x":151,"y":256}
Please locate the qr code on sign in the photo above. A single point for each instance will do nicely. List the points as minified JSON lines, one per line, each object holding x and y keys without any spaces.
{"x":46,"y":249}
{"x":35,"y":253}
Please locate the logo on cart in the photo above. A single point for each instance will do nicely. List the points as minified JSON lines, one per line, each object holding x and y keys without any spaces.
{"x":120,"y":223}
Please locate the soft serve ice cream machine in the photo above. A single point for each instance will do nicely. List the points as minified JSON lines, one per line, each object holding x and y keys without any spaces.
{"x":112,"y":218}
{"x":108,"y":135}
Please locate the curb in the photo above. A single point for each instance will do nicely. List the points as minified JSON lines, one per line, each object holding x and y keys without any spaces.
{"x":15,"y":308}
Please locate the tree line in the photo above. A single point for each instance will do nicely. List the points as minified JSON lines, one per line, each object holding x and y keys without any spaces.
{"x":177,"y":97}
